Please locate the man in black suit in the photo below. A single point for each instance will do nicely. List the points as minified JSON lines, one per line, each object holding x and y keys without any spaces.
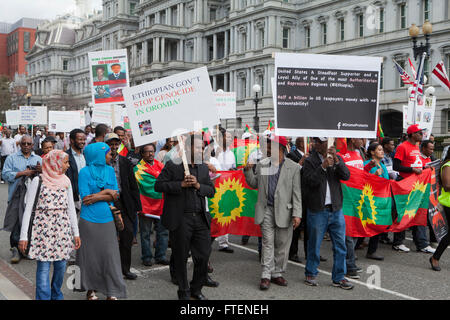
{"x":186,"y":217}
{"x":77,"y":162}
{"x":129,"y":199}
{"x":117,"y":74}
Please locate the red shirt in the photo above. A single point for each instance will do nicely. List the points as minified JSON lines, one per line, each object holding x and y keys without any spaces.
{"x":409,"y":155}
{"x":353,"y":159}
{"x":425,"y":160}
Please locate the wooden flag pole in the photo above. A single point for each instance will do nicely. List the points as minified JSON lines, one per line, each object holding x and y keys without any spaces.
{"x":305,"y":143}
{"x":183,"y":155}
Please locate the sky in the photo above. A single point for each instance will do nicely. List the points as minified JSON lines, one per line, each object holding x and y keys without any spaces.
{"x":39,"y":9}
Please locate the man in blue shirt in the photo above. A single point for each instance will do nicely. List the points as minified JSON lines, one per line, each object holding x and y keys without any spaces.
{"x":23,"y":163}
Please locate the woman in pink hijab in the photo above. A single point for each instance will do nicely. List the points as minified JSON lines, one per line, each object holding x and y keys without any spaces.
{"x":54,"y":233}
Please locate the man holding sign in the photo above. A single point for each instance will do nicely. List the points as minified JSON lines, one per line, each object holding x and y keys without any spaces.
{"x":186,"y":217}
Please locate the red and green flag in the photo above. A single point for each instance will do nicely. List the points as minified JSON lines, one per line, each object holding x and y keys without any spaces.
{"x":367,"y":204}
{"x":380,"y":133}
{"x":341,"y":145}
{"x":249,"y":130}
{"x":232,"y":208}
{"x":242,"y":148}
{"x":270,"y":126}
{"x":146,"y":175}
{"x":123,"y":151}
{"x":412,"y":197}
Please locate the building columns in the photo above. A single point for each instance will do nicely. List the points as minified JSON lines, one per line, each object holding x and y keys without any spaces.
{"x":215,"y":46}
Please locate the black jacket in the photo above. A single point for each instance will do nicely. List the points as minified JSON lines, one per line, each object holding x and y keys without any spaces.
{"x":315,"y":181}
{"x":72,"y":173}
{"x":129,"y":196}
{"x":169,"y":183}
{"x":294,"y":155}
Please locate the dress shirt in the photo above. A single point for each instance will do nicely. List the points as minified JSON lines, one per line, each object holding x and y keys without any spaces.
{"x":79,"y":160}
{"x":8,"y":146}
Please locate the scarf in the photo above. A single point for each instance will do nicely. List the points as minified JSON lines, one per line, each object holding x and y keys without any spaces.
{"x":53,"y":176}
{"x":95,"y":155}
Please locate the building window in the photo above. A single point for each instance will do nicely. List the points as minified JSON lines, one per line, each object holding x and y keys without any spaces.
{"x":403,"y":16}
{"x":163,"y":17}
{"x":308,"y":37}
{"x":286,"y":38}
{"x":323,"y":27}
{"x":65,"y":64}
{"x":342,"y":29}
{"x":212,"y":14}
{"x":426,"y":10}
{"x":261,"y":38}
{"x":360,"y":25}
{"x":381,"y":20}
{"x":381,"y":76}
{"x":132,"y":7}
{"x":152,"y":20}
{"x":243,"y":4}
{"x":65,"y":85}
{"x":26,"y":41}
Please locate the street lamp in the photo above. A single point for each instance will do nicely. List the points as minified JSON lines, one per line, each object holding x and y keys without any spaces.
{"x":256,"y":89}
{"x":29,"y":99}
{"x":414,"y":31}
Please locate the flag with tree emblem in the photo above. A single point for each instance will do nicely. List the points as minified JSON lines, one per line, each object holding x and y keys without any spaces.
{"x":367,"y":204}
{"x":242,"y":148}
{"x":412,"y":197}
{"x":232,"y":208}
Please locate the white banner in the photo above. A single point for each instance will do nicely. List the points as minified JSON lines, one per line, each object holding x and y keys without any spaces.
{"x":171,"y":106}
{"x":33,"y":115}
{"x":425,"y":109}
{"x":109,"y":76}
{"x":326,"y":95}
{"x":64,"y":121}
{"x":112,"y":115}
{"x":13,"y":117}
{"x":226,"y":104}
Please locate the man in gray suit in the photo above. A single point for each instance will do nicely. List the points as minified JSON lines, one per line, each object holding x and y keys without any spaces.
{"x":278,"y":209}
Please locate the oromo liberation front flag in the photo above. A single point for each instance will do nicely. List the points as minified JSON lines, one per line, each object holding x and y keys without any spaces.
{"x":152,"y":201}
{"x":232,"y":208}
{"x":367,"y":204}
{"x":412,"y":197}
{"x":242,"y":148}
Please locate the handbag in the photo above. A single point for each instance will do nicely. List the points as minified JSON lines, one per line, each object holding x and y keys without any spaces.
{"x":33,"y":214}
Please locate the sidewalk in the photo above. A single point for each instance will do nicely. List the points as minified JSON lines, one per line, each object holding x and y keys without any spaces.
{"x":13,"y":286}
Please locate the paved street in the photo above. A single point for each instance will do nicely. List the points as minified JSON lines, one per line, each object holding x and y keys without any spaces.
{"x":402,"y":275}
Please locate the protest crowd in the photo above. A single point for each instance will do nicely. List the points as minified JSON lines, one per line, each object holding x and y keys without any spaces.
{"x":90,"y":194}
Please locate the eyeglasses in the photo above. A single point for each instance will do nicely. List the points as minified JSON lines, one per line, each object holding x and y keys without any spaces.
{"x":26,"y":143}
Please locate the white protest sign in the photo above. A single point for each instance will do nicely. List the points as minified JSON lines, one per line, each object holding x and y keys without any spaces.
{"x":33,"y":115}
{"x":226,"y":104}
{"x":102,"y":114}
{"x":13,"y":117}
{"x":63,"y":121}
{"x":326,"y":95}
{"x":425,"y":114}
{"x":405,"y":117}
{"x":171,"y":106}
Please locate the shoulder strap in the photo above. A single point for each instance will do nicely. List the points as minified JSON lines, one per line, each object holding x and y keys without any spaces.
{"x":36,"y":197}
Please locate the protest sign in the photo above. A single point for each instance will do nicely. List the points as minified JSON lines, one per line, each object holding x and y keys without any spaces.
{"x":405,"y":117}
{"x":171,"y":106}
{"x":64,"y":121}
{"x":109,"y":76}
{"x":102,"y":114}
{"x":425,"y":109}
{"x":436,"y":218}
{"x":326,"y":95}
{"x":13,"y":117}
{"x":226,"y":104}
{"x":33,"y":115}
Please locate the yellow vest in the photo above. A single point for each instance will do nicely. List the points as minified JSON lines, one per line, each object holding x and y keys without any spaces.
{"x":444,"y":198}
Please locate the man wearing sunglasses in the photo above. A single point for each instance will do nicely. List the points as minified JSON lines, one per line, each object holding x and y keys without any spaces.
{"x":23,"y":163}
{"x":407,"y":161}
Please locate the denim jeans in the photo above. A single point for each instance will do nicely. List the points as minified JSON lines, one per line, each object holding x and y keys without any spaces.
{"x":318,"y":223}
{"x":162,"y":239}
{"x":45,"y":290}
{"x":419,"y":234}
{"x":350,"y":256}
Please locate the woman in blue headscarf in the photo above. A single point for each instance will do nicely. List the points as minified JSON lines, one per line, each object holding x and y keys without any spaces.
{"x":99,"y":256}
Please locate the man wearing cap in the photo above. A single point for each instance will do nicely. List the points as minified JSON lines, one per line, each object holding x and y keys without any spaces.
{"x":407,"y":161}
{"x":278,"y":209}
{"x":322,"y":173}
{"x":129,"y":200}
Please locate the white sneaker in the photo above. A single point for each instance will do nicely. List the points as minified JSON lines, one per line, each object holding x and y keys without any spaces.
{"x":401,"y":248}
{"x":428,"y":250}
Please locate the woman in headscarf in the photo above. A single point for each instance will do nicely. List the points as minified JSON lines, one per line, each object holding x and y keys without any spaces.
{"x":55,"y":225}
{"x":99,"y":257}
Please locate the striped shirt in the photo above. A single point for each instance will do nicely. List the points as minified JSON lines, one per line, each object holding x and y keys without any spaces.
{"x":15,"y":163}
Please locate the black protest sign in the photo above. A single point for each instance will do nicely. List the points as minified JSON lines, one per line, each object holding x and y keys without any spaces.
{"x":435,"y":217}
